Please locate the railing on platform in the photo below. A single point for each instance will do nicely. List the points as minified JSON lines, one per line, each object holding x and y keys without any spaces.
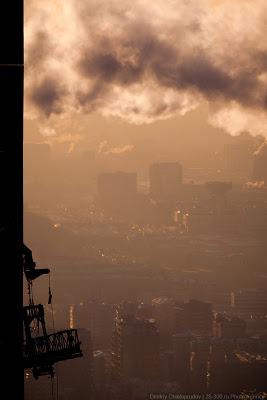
{"x":52,"y":348}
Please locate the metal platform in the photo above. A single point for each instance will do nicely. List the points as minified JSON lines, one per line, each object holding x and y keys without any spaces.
{"x":41,"y":350}
{"x":49,"y":349}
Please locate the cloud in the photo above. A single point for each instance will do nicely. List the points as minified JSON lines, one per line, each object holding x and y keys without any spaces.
{"x":48,"y":95}
{"x":145,"y":62}
{"x":235,"y":119}
{"x":255,"y":185}
{"x":105,"y":149}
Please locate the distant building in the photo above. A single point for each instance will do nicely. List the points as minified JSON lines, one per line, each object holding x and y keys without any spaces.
{"x":98,"y":317}
{"x":223,"y":215}
{"x":246,"y":371}
{"x":135,"y":348}
{"x":165,"y":313}
{"x":167,"y":366}
{"x":197,"y":316}
{"x":99,"y":367}
{"x":182,"y":348}
{"x":249,"y":302}
{"x":231,"y":328}
{"x":198,"y":220}
{"x":218,"y":366}
{"x":165,"y":180}
{"x":218,"y":192}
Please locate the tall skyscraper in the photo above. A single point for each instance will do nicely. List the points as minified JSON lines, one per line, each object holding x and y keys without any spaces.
{"x":182,"y":359}
{"x":135,"y":348}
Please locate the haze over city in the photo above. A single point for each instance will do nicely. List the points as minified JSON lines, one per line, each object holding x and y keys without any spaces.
{"x":145,"y":173}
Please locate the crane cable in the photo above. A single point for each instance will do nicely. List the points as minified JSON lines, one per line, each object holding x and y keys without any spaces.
{"x":50,"y":296}
{"x":36,"y":327}
{"x":52,"y":388}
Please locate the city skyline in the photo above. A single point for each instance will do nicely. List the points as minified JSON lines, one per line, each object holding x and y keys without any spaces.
{"x":145,"y":196}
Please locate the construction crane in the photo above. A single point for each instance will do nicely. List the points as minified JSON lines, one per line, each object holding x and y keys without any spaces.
{"x":15,"y":356}
{"x":41,"y":350}
{"x":11,"y":199}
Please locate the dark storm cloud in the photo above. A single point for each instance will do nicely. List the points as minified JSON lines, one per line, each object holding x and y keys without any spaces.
{"x":108,"y":68}
{"x":116,"y":47}
{"x":163,"y":63}
{"x":39,"y":49}
{"x":49,"y":95}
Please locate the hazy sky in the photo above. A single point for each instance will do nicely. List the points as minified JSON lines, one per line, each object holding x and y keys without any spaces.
{"x":142,"y":62}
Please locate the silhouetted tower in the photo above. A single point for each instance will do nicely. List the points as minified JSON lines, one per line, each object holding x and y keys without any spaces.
{"x":135,"y":348}
{"x":11,"y":202}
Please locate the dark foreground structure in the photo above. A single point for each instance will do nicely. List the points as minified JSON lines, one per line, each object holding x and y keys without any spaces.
{"x":11,"y":198}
